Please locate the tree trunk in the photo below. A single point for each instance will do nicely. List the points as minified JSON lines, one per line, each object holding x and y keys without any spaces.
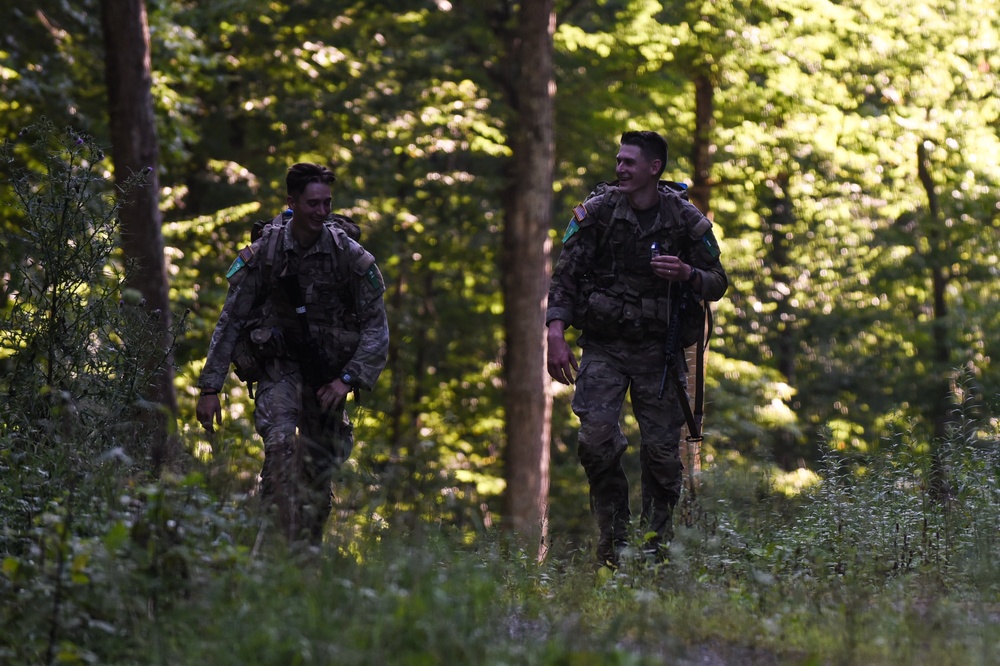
{"x":777,"y":225}
{"x":135,"y":151}
{"x":941,"y":383}
{"x":701,"y":189}
{"x":526,"y":246}
{"x":701,"y":149}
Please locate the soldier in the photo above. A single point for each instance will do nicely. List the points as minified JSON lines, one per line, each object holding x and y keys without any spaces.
{"x":305,"y":320}
{"x":609,"y":284}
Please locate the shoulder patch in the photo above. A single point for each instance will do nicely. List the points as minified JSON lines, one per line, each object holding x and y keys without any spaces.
{"x":373,"y":278}
{"x":242,"y":258}
{"x":711,"y":244}
{"x":581,"y":218}
{"x":571,"y":229}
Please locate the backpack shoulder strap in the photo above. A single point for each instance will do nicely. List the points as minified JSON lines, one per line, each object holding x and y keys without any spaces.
{"x":274,"y":233}
{"x":603,"y":213}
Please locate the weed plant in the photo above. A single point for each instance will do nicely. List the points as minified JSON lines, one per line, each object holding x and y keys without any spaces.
{"x":72,"y":346}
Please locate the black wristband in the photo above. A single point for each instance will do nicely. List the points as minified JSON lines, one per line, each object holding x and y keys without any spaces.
{"x":692,"y":276}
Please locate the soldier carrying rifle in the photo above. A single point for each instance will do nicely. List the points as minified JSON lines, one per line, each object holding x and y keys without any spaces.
{"x":305,"y":321}
{"x":630,"y":255}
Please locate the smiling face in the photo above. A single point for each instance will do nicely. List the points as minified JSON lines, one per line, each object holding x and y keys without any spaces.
{"x":310,"y":209}
{"x":634,"y":171}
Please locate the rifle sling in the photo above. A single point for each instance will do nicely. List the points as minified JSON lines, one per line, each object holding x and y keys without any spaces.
{"x":694,"y":428}
{"x":695,"y":417}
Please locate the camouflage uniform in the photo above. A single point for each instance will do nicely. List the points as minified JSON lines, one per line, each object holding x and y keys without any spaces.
{"x":603,"y":284}
{"x":342,"y":290}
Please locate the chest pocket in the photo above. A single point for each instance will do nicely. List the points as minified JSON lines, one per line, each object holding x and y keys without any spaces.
{"x":633,"y":252}
{"x":333,"y":303}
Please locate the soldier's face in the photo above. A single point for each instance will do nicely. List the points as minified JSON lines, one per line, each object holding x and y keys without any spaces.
{"x":312,"y":207}
{"x":633,"y":170}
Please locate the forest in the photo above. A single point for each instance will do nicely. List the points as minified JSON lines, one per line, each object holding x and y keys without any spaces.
{"x":844,"y":506}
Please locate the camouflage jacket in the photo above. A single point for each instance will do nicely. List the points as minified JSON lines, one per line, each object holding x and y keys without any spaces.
{"x":341,"y":287}
{"x":604,"y":249}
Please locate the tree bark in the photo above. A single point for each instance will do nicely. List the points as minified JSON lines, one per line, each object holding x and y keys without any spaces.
{"x":939,"y":485}
{"x":135,"y":151}
{"x":701,"y":148}
{"x":526,"y":250}
{"x":700,"y":194}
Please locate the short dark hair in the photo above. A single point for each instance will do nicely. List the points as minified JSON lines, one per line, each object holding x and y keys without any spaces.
{"x":652,"y":145}
{"x":303,"y":173}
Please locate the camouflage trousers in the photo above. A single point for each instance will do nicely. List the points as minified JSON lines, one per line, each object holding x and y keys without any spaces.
{"x":607,"y":373}
{"x":304,"y":447}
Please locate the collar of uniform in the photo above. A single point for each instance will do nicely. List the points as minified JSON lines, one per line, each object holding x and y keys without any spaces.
{"x":623,"y":210}
{"x":324,"y":243}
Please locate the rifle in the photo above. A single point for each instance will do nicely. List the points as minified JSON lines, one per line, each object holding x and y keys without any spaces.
{"x":671,"y":351}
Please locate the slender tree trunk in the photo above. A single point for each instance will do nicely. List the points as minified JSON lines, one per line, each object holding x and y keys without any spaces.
{"x":941,"y":353}
{"x":526,"y":248}
{"x":701,"y":149}
{"x":134,"y":150}
{"x":777,"y":224}
{"x":701,"y":190}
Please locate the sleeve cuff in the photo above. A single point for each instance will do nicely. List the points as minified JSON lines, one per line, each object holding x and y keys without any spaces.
{"x":561,"y":314}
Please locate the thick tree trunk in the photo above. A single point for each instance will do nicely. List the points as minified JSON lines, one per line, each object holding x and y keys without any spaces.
{"x":134,"y":150}
{"x":526,"y":271}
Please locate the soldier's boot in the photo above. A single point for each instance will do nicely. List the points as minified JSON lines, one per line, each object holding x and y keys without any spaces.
{"x":315,"y":512}
{"x":610,"y":551}
{"x":661,"y":490}
{"x":613,"y":527}
{"x":658,"y":526}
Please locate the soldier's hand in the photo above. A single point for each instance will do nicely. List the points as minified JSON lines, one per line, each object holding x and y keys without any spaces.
{"x":670,"y":268}
{"x":209,"y":411}
{"x":332,"y":395}
{"x":561,"y":363}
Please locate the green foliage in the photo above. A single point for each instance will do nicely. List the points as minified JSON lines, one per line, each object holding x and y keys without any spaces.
{"x":74,"y":347}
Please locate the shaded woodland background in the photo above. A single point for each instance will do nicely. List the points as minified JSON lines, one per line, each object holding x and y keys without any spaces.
{"x":847,"y":152}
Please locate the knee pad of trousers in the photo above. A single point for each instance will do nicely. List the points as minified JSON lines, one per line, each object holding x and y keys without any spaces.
{"x":279,"y":442}
{"x":601,"y":443}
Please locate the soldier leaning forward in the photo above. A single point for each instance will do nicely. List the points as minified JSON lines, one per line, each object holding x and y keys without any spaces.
{"x":304,"y":320}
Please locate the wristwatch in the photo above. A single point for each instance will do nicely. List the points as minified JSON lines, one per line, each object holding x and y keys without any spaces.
{"x":347,"y":378}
